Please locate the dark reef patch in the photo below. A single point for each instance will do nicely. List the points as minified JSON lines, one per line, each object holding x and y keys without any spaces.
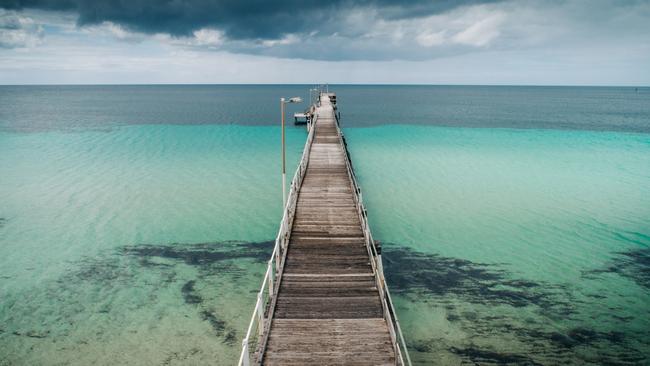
{"x":220,"y":327}
{"x":3,"y":221}
{"x":175,"y":357}
{"x":203,"y":253}
{"x":209,"y":258}
{"x":633,"y":264}
{"x":411,"y":272}
{"x":486,"y":301}
{"x":583,"y":336}
{"x":481,"y":356}
{"x":98,"y":270}
{"x":216,"y":258}
{"x":31,"y":334}
{"x":452,"y":317}
{"x":153,"y":269}
{"x":423,"y":346}
{"x":189,"y":294}
{"x":217,"y":324}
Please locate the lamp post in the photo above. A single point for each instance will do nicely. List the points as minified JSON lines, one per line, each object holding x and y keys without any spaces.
{"x":284,"y":163}
{"x":313,"y":96}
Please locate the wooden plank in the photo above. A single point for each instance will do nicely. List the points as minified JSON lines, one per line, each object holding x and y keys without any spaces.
{"x":329,"y":341}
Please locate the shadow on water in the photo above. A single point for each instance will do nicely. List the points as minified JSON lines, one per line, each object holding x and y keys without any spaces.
{"x":487,"y":301}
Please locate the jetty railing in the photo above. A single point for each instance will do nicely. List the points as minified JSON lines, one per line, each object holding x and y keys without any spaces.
{"x":263,"y":311}
{"x":397,"y":338}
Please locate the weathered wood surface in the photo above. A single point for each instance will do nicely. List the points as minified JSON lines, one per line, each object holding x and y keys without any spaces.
{"x":328,"y":309}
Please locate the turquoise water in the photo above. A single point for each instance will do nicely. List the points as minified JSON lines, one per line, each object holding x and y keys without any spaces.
{"x":134,"y":229}
{"x":514,"y":246}
{"x":74,"y":290}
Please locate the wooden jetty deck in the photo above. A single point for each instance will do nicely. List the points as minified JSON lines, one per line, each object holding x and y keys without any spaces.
{"x":324,"y":300}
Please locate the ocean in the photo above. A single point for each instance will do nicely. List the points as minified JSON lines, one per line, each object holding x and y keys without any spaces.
{"x":135,"y":221}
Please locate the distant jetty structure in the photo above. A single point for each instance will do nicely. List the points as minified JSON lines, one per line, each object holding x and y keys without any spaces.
{"x":324,"y":299}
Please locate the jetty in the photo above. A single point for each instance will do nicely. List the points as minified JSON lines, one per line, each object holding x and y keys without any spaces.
{"x":324,"y":299}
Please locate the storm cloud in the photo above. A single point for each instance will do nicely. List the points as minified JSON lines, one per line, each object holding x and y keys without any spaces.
{"x":247,"y":19}
{"x":595,"y":42}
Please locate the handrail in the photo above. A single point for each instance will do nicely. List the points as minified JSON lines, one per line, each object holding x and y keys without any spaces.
{"x":271,"y":281}
{"x":397,"y":337}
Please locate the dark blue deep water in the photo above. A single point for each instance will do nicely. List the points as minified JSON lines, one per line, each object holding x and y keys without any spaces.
{"x":29,"y":108}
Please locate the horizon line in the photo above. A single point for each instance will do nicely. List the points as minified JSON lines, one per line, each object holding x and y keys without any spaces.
{"x":335,"y":84}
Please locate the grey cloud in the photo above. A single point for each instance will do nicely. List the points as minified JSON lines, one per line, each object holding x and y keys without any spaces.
{"x":238,"y":19}
{"x":18,"y":31}
{"x":339,"y":30}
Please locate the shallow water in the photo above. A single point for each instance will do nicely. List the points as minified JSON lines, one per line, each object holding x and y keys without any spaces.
{"x":134,"y":230}
{"x":510,"y":245}
{"x":74,"y":204}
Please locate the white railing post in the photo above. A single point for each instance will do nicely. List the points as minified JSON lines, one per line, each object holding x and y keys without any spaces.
{"x":277,"y":256}
{"x":260,"y":312}
{"x":245,"y":357}
{"x":270,"y":269}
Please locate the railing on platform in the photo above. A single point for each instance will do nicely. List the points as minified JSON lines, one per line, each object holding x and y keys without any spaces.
{"x":397,"y":338}
{"x":263,"y":311}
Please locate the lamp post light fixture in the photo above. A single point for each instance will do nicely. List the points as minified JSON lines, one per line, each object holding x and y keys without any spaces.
{"x":284,"y":101}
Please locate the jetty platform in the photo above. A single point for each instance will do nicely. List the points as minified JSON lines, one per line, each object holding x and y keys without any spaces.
{"x":324,"y":299}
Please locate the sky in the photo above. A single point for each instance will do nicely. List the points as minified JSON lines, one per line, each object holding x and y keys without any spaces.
{"x":522,"y":42}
